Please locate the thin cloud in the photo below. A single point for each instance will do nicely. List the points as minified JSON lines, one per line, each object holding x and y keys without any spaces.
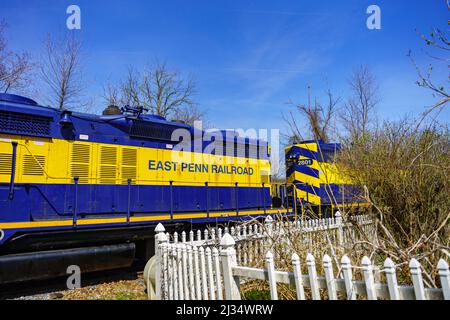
{"x":283,"y":13}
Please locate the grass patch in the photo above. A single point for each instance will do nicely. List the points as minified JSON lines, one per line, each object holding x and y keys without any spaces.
{"x":256,"y":295}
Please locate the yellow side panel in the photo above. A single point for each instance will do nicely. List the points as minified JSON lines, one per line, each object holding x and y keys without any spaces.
{"x":59,"y":161}
{"x":331,"y":174}
{"x":304,"y":178}
{"x":310,"y":197}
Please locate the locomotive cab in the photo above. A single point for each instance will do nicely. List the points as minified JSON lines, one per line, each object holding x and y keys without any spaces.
{"x":316,"y":186}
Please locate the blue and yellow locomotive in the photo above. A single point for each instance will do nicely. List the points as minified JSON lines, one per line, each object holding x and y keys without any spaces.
{"x":71,"y":180}
{"x":315,"y":182}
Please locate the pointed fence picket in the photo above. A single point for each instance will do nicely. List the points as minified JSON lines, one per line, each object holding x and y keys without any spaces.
{"x":298,"y":279}
{"x":329,"y":277}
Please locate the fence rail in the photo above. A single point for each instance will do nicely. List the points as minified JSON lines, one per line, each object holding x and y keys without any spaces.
{"x":342,"y":231}
{"x":210,"y":267}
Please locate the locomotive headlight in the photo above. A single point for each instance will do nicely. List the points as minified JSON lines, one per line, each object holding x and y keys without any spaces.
{"x":2,"y":234}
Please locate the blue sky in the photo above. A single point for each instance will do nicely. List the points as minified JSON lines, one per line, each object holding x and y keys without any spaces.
{"x":249,"y":58}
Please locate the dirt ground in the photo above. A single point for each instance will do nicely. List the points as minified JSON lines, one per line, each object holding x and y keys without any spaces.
{"x":130,"y":289}
{"x":119,"y":290}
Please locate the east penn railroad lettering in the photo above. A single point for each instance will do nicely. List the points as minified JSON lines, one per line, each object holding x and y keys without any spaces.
{"x":198,"y":167}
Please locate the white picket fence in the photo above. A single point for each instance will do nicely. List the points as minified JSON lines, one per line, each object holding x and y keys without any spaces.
{"x":338,"y":232}
{"x":253,"y":240}
{"x":209,"y":267}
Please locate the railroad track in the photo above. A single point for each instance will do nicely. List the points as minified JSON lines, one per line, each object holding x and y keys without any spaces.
{"x":54,"y":288}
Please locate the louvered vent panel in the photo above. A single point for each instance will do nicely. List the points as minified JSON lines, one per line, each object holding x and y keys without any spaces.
{"x":129,"y":159}
{"x":80,"y":160}
{"x":5,"y":163}
{"x":144,"y":129}
{"x":33,"y":165}
{"x":108,"y":162}
{"x":107,"y":175}
{"x":26,"y":124}
{"x":108,"y":156}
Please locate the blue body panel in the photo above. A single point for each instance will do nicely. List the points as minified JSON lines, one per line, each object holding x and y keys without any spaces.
{"x":48,"y":201}
{"x":351,"y":193}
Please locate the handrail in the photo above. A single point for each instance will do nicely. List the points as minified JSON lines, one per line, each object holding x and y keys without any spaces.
{"x":13,"y":170}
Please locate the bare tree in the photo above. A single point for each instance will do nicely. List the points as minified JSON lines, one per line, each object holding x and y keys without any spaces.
{"x":404,"y":169}
{"x":158,"y":89}
{"x":162,"y":91}
{"x":14,"y":67}
{"x":130,"y":89}
{"x":61,"y":70}
{"x":171,"y":91}
{"x":111,"y":94}
{"x":318,"y":116}
{"x":439,"y":46}
{"x":359,"y":110}
{"x":189,"y":114}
